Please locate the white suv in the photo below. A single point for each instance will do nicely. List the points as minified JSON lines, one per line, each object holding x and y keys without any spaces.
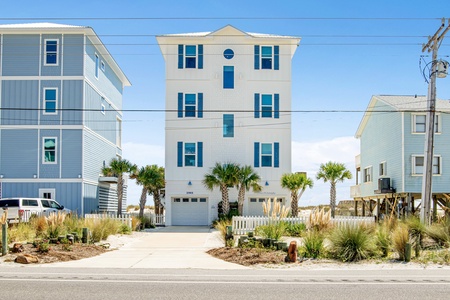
{"x":20,"y":209}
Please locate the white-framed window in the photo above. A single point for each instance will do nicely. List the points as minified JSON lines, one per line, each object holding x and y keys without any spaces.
{"x":190,"y":105}
{"x":102,"y":66}
{"x":49,"y":150}
{"x":190,"y":154}
{"x":118,"y":132}
{"x":367,"y":174}
{"x":418,"y":163}
{"x":267,"y":57}
{"x":382,"y":171}
{"x":190,"y":56}
{"x":266,"y":154}
{"x":47,"y":193}
{"x":97,"y":65}
{"x":419,"y":122}
{"x":51,"y":49}
{"x":266,"y":105}
{"x":50,"y":101}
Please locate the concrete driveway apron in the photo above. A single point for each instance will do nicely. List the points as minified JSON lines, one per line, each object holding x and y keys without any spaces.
{"x":162,"y":248}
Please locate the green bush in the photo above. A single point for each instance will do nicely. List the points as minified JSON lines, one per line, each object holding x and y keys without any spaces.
{"x":221,"y":226}
{"x":416,"y":230}
{"x":400,"y":237}
{"x":295,"y":229}
{"x":351,"y":243}
{"x":440,"y":233}
{"x":273,"y":230}
{"x":101,"y":229}
{"x":146,"y":222}
{"x":124,"y":229}
{"x":383,"y":239}
{"x":313,"y":246}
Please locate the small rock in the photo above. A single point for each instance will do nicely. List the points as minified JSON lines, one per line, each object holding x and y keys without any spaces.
{"x":17,"y":248}
{"x":26,"y":259}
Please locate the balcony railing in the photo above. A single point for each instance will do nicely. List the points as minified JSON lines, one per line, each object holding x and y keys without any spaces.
{"x":355,"y":191}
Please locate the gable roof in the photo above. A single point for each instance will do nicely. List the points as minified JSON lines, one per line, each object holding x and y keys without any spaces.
{"x":53,"y":28}
{"x":399,"y":103}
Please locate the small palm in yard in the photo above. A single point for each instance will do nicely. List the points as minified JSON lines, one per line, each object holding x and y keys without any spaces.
{"x":352,"y":243}
{"x":297,"y":184}
{"x":333,"y":172}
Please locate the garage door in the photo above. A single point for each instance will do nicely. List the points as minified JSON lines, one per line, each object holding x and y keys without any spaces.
{"x":190,"y":211}
{"x":255,"y":205}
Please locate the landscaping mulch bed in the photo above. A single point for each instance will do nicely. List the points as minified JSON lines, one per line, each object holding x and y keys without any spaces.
{"x":248,"y":256}
{"x":58,"y":253}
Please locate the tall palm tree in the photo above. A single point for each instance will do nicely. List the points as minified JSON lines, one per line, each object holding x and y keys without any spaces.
{"x":247,"y":178}
{"x":297,"y":184}
{"x":333,"y":172}
{"x":222,"y":176}
{"x":117,"y":167}
{"x":151,"y":178}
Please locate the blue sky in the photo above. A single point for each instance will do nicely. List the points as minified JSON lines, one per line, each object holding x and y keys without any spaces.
{"x":350,"y":50}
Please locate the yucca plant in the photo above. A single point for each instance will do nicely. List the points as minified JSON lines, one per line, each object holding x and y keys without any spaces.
{"x":313,"y":244}
{"x":352,"y":242}
{"x":400,"y":237}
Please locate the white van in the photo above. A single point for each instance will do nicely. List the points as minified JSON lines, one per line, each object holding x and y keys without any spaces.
{"x":20,"y":209}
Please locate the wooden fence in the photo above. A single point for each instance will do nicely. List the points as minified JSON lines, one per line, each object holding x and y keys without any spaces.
{"x":242,"y":225}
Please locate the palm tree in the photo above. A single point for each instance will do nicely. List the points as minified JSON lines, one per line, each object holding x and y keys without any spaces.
{"x":247,"y":179}
{"x":297,"y":184}
{"x":222,"y":176}
{"x":152,"y":180}
{"x":117,"y":167}
{"x":333,"y":172}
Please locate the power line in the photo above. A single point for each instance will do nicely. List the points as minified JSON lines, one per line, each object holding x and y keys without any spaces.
{"x":224,"y":18}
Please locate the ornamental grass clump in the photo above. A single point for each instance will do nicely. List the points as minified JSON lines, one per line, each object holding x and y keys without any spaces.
{"x":416,"y":231}
{"x":440,"y":232}
{"x":383,"y":239}
{"x":221,"y":226}
{"x":55,"y":222}
{"x":39,"y":223}
{"x":351,"y":243}
{"x":100,"y":229}
{"x":319,"y":220}
{"x":313,"y":244}
{"x":21,"y":232}
{"x":276,"y":228}
{"x":400,"y":237}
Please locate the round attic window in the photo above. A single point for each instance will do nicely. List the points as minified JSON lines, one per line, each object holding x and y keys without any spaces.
{"x":228,"y":54}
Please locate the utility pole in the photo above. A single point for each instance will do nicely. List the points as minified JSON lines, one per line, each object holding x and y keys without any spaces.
{"x":432,"y":46}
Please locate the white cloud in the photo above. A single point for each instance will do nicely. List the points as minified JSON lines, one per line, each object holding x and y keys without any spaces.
{"x":307,"y":157}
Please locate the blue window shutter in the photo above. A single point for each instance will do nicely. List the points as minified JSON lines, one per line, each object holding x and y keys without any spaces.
{"x":200,"y":105}
{"x":276,"y":58}
{"x":276,"y":155}
{"x":180,"y":154}
{"x":256,"y":158}
{"x":200,"y":154}
{"x":200,"y":56}
{"x":256,"y":57}
{"x":180,"y":105}
{"x":276,"y":113}
{"x":256,"y":105}
{"x":180,"y":56}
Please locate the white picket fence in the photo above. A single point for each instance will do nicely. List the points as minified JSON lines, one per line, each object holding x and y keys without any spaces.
{"x":242,"y":225}
{"x":124,"y":219}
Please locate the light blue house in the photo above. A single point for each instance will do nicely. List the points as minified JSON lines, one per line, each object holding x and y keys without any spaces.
{"x":60,"y":115}
{"x":391,"y":163}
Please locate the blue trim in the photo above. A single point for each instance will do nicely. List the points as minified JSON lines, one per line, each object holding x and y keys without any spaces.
{"x":257,"y":106}
{"x":200,"y":105}
{"x":256,"y":57}
{"x":256,"y":155}
{"x":276,"y":58}
{"x":199,"y":154}
{"x":200,"y":56}
{"x":276,"y":113}
{"x":179,"y":154}
{"x":276,"y":155}
{"x":180,"y":56}
{"x":180,"y":105}
{"x":228,"y":77}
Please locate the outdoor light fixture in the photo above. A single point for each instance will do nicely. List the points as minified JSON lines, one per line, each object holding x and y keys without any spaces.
{"x":267,"y":183}
{"x":189,"y":183}
{"x":34,"y":176}
{"x":1,"y":175}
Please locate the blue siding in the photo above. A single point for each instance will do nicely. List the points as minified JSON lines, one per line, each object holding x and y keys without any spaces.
{"x":19,"y":157}
{"x":73,"y":55}
{"x":20,"y":55}
{"x":95,"y":152}
{"x":67,"y":194}
{"x":72,"y":102}
{"x":71,"y":153}
{"x":90,"y":196}
{"x":51,"y":70}
{"x":22,"y":94}
{"x":49,"y":170}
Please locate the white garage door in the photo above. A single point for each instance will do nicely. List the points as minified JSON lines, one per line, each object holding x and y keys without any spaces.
{"x":190,"y":211}
{"x":255,"y":205}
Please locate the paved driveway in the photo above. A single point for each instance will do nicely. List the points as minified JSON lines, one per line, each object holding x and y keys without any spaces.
{"x":166,"y":247}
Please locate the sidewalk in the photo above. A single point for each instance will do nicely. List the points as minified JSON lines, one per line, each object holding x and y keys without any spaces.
{"x":161,"y":248}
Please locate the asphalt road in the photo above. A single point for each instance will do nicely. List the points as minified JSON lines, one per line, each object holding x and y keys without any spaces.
{"x":74,"y":283}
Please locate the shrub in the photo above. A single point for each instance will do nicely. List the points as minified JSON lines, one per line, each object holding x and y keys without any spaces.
{"x":416,"y":230}
{"x":440,"y":233}
{"x":135,"y":223}
{"x":43,"y":247}
{"x":146,"y":222}
{"x":55,"y":222}
{"x":295,"y":229}
{"x":313,"y":244}
{"x":124,"y":229}
{"x":21,"y":232}
{"x":221,"y":226}
{"x":319,"y":220}
{"x":352,"y":243}
{"x":400,"y":237}
{"x":274,"y":230}
{"x":383,"y":239}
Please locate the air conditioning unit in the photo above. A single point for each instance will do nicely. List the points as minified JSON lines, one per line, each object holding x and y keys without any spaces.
{"x":384,"y":184}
